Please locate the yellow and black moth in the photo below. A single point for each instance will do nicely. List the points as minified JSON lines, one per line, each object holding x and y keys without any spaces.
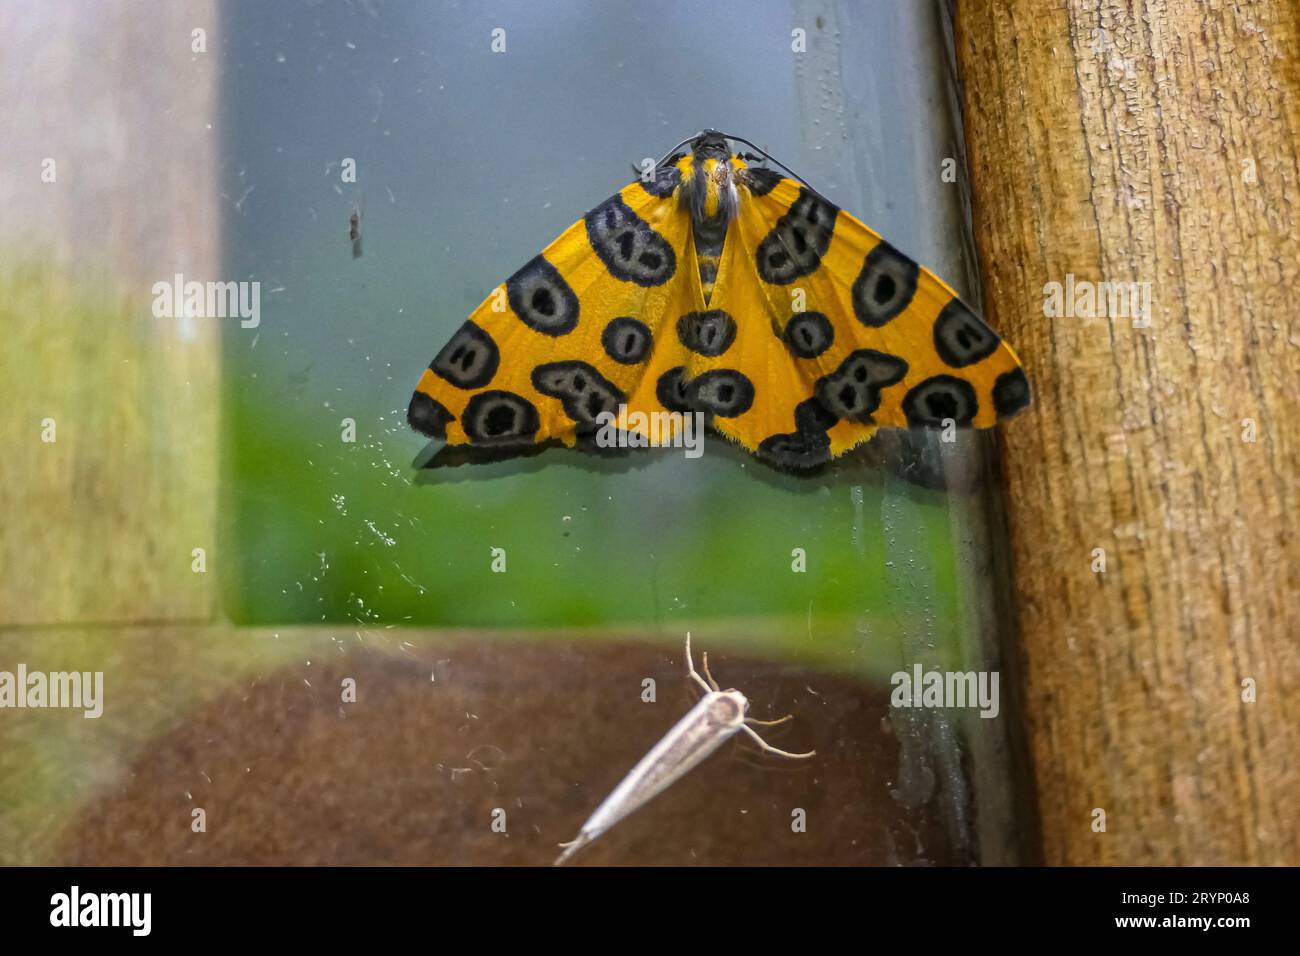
{"x":717,"y":286}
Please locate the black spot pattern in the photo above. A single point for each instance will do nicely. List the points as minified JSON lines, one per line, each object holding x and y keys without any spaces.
{"x":428,"y":417}
{"x":808,"y":334}
{"x":808,"y":446}
{"x":500,"y":418}
{"x":666,"y":180}
{"x":627,"y":340}
{"x":852,"y":391}
{"x":721,"y":391}
{"x":795,"y":246}
{"x":795,"y":450}
{"x":938,"y":398}
{"x":707,"y":333}
{"x":812,"y":416}
{"x":582,"y":390}
{"x":469,"y":360}
{"x":630,"y":249}
{"x":1011,"y":392}
{"x":759,"y":180}
{"x":960,"y":338}
{"x":885,"y":286}
{"x":671,"y":390}
{"x":542,"y":299}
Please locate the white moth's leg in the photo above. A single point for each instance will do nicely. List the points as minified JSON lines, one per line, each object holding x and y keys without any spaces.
{"x":774,"y":750}
{"x":690,"y":665}
{"x":712,"y":682}
{"x":768,"y":723}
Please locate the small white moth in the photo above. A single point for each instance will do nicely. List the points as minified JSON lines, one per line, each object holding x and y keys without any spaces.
{"x":706,"y":726}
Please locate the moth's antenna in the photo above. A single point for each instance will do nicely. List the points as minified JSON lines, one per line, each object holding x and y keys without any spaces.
{"x":672,"y":152}
{"x":768,"y":156}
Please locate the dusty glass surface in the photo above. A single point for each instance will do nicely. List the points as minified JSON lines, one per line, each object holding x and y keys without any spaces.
{"x":522,"y":693}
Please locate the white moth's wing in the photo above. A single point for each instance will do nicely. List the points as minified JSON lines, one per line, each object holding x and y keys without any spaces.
{"x":704,"y":728}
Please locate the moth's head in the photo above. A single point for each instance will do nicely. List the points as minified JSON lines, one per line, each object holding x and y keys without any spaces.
{"x":728,"y":708}
{"x":711,"y":145}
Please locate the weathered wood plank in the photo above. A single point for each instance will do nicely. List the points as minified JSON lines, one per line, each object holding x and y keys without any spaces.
{"x":1150,"y":142}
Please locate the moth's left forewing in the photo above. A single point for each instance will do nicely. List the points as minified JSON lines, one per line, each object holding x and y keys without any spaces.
{"x":957,"y":367}
{"x":871,"y":337}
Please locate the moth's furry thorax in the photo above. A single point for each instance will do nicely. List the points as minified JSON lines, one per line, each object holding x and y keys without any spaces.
{"x":709,"y":190}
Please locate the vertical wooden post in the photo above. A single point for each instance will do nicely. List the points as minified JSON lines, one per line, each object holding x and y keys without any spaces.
{"x":1150,"y":142}
{"x":109,"y":413}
